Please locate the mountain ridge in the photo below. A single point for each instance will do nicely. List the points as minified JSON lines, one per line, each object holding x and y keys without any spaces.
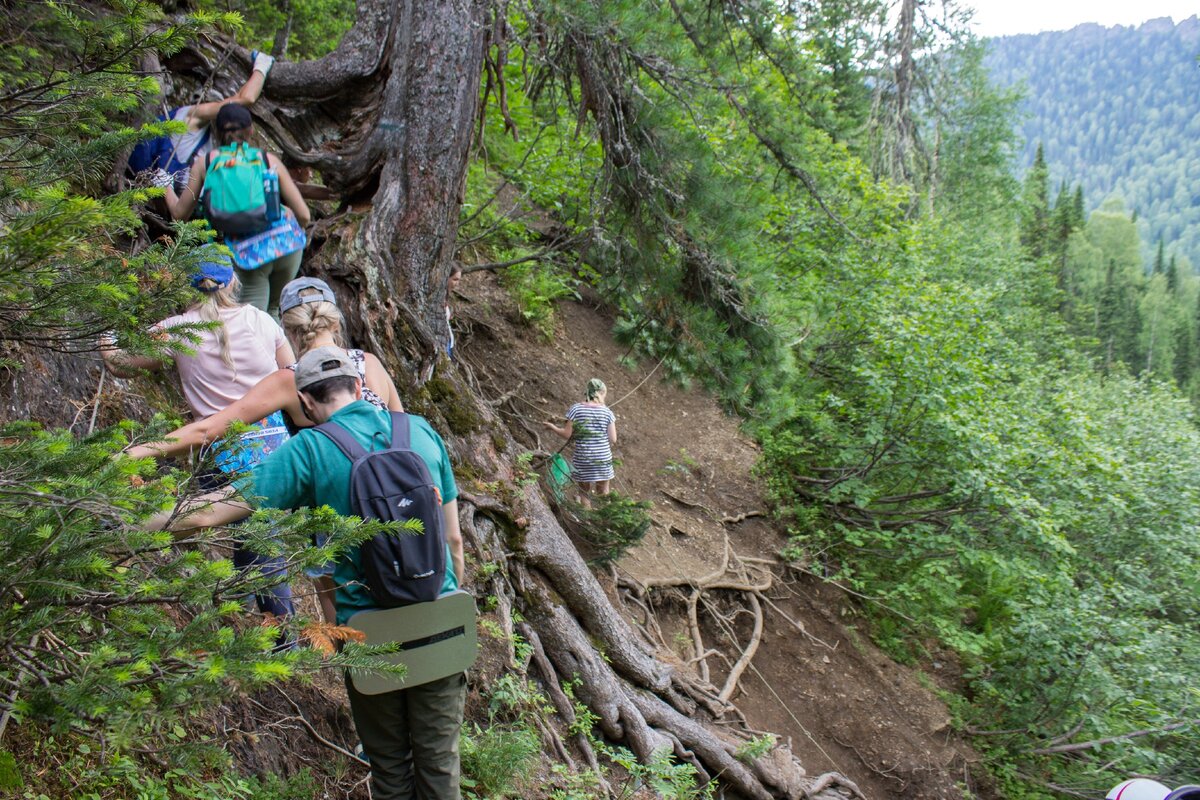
{"x":1115,"y":110}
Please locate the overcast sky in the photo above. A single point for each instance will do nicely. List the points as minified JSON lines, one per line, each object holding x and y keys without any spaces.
{"x":1002,"y":17}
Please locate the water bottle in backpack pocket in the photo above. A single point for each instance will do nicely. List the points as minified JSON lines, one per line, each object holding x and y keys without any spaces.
{"x":271,"y":195}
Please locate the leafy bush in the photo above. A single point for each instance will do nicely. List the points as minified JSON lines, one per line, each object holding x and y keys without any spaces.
{"x":612,"y":524}
{"x":536,"y":286}
{"x":497,"y":759}
{"x":119,"y":638}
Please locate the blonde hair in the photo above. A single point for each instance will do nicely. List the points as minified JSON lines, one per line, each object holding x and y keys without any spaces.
{"x":217,"y":297}
{"x":307,"y":321}
{"x":595,"y":388}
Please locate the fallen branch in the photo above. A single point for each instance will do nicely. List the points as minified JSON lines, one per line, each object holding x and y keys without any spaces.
{"x":310,"y":729}
{"x":1095,"y":743}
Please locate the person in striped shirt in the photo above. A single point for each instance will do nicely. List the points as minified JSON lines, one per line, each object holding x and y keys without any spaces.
{"x":592,"y":427}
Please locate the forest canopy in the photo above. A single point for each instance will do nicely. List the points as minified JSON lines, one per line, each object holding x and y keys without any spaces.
{"x":1115,"y":110}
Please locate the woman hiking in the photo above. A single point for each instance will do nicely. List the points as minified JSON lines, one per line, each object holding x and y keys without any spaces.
{"x":592,"y":426}
{"x":311,"y":319}
{"x":217,"y":366}
{"x":267,"y":259}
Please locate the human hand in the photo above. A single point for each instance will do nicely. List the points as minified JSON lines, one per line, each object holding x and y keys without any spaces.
{"x":160,"y":178}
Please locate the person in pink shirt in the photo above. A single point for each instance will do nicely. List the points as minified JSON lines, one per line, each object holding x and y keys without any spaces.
{"x":217,"y":366}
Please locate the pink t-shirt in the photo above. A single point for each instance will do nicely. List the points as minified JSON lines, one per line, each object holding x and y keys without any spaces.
{"x":208,"y":383}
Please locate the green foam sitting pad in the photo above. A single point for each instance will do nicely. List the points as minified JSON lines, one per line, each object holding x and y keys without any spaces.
{"x":438,"y":639}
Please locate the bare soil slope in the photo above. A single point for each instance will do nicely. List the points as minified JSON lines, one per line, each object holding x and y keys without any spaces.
{"x":813,"y":678}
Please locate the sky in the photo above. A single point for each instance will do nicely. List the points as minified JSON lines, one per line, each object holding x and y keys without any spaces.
{"x":1004,"y":17}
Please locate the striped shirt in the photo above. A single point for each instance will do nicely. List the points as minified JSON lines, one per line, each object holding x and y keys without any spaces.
{"x":592,"y":457}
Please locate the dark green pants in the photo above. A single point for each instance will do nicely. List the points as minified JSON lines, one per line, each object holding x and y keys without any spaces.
{"x":411,"y":738}
{"x":261,"y":287}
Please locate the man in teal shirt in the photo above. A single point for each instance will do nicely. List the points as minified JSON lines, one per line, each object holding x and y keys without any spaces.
{"x":409,"y":735}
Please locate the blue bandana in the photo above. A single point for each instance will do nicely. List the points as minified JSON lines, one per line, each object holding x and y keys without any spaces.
{"x":220,"y":272}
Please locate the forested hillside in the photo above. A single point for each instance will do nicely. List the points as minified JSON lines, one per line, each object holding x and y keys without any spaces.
{"x":963,"y":388}
{"x":1115,"y":109}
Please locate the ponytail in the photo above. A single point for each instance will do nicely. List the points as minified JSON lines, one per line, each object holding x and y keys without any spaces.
{"x":304,"y":323}
{"x":217,"y":297}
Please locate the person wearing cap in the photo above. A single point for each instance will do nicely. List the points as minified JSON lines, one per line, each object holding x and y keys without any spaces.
{"x":262,"y":285}
{"x":311,"y":319}
{"x":217,"y":365}
{"x":409,"y":735}
{"x":169,"y":157}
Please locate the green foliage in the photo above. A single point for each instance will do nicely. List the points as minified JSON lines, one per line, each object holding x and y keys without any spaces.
{"x":536,"y":286}
{"x":119,"y":636}
{"x":10,"y":773}
{"x":499,"y":757}
{"x":65,"y":277}
{"x":1114,"y":108}
{"x":297,"y":29}
{"x":301,"y":786}
{"x":496,"y":760}
{"x":756,"y":748}
{"x":612,"y":524}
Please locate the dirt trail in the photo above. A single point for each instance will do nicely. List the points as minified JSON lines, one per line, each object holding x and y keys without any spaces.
{"x":814,"y":680}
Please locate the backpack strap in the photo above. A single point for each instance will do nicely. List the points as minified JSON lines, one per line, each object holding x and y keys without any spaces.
{"x":401,"y":431}
{"x":342,"y":439}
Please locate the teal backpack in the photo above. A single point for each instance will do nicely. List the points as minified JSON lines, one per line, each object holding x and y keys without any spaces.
{"x":234,"y":197}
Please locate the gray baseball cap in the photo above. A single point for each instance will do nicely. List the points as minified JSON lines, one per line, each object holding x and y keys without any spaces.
{"x":291,"y":296}
{"x":324,"y":362}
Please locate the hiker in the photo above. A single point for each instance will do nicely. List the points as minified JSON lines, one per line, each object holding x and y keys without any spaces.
{"x":311,"y":319}
{"x":266,"y":253}
{"x":592,"y":427}
{"x":451,"y":284}
{"x":216,"y":367}
{"x":409,"y":735}
{"x":170,"y":157}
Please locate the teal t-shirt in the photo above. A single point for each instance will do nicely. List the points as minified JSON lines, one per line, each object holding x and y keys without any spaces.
{"x":309,"y":470}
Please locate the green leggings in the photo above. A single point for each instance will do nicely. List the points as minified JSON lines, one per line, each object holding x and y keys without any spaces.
{"x":261,"y":287}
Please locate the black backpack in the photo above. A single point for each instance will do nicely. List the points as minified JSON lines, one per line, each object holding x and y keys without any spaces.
{"x":395,"y":485}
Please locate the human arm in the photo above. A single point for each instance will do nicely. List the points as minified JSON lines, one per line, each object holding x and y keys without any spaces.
{"x":612,"y":431}
{"x":284,"y":357}
{"x":379,"y":382}
{"x":209,"y":510}
{"x":122,"y":364}
{"x":275,"y":392}
{"x":182,"y":205}
{"x":565,"y":431}
{"x":454,"y":540}
{"x":289,"y":193}
{"x":202,"y":114}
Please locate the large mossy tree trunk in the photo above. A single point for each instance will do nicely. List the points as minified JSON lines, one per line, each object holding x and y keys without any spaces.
{"x":386,"y":120}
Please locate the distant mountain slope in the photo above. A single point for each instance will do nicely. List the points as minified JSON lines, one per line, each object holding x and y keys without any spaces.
{"x":1119,"y":111}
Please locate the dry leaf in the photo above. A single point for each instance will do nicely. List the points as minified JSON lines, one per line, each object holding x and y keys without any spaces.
{"x":323,"y":636}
